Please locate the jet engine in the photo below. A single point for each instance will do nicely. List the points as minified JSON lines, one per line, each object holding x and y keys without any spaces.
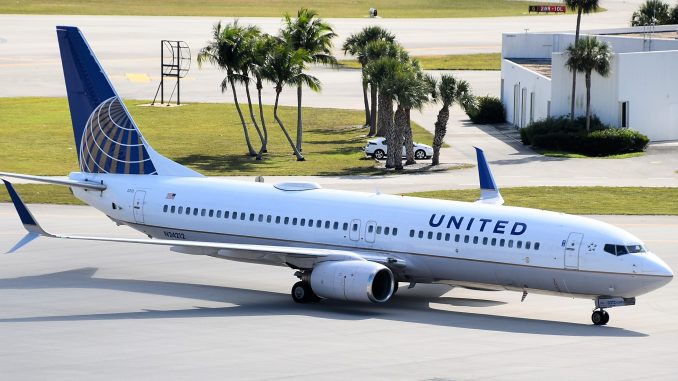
{"x":358,"y":281}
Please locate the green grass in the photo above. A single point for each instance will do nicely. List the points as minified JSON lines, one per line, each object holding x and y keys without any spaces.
{"x":481,"y":61}
{"x":271,"y":8}
{"x":571,"y":155}
{"x":573,"y":200}
{"x":579,"y":200}
{"x":36,"y":138}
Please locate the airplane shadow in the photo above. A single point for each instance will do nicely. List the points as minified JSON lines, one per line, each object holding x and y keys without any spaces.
{"x":405,"y":308}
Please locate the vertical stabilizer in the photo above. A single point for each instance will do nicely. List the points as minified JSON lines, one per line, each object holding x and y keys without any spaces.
{"x":489,"y":191}
{"x":106,"y":137}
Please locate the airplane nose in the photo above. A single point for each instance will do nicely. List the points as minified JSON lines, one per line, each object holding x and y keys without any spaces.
{"x":653,"y":265}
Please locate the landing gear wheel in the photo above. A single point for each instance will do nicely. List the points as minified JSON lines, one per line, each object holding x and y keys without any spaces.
{"x":420,"y":154}
{"x":379,"y":154}
{"x":600,"y":317}
{"x":302,"y":293}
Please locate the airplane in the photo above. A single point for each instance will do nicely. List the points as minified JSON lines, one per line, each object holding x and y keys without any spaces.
{"x":348,"y":246}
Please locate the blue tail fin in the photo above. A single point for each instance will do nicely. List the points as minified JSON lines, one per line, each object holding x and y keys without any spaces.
{"x":106,"y":137}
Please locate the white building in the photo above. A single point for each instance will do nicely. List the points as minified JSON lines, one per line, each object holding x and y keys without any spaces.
{"x":640,"y":92}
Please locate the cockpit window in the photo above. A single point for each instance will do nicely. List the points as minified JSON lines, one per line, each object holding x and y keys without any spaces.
{"x":621,"y":249}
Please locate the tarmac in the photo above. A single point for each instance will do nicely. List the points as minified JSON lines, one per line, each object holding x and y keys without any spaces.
{"x":78,"y":310}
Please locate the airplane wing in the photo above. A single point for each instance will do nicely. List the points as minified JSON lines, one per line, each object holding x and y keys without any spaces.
{"x":297,"y":257}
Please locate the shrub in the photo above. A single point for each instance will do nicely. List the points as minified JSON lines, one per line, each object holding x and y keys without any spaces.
{"x":562,"y":135}
{"x":487,"y":110}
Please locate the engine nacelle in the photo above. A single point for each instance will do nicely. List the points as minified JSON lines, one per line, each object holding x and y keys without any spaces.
{"x":359,"y":281}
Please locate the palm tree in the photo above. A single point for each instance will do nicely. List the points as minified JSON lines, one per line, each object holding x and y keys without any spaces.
{"x":227,"y":50}
{"x":385,"y":74}
{"x":315,"y":36}
{"x":447,"y":91}
{"x":375,"y":51}
{"x":587,"y":55}
{"x":356,"y":45}
{"x":651,"y":12}
{"x":581,"y":6}
{"x":284,"y":66}
{"x":412,"y":92}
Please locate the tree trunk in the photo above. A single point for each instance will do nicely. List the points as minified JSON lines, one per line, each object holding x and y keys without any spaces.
{"x":574,"y":72}
{"x":300,"y":132}
{"x":367,"y":103}
{"x":264,"y":147}
{"x":383,"y":118}
{"x":282,"y":127}
{"x":399,"y":121}
{"x":588,"y":101}
{"x":439,"y":134}
{"x":254,"y":120}
{"x":407,"y":136}
{"x":250,"y":149}
{"x":386,"y":115}
{"x":374,"y":131}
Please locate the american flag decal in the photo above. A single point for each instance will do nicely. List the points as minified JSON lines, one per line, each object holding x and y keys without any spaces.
{"x":170,"y":196}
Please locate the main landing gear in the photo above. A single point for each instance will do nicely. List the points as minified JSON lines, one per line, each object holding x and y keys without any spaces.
{"x":600,"y":317}
{"x":303,"y":293}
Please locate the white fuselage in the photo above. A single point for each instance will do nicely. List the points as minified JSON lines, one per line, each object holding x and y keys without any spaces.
{"x":458,"y":243}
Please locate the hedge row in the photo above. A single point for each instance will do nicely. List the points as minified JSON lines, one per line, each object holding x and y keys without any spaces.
{"x":562,"y":135}
{"x":486,"y":110}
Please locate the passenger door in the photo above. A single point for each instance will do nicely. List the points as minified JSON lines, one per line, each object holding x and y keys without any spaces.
{"x":572,"y":251}
{"x":370,"y":231}
{"x":139,"y":198}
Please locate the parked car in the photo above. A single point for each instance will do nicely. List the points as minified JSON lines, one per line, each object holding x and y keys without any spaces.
{"x":377,"y":149}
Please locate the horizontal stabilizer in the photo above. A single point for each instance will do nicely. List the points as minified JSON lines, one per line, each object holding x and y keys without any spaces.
{"x":48,"y":180}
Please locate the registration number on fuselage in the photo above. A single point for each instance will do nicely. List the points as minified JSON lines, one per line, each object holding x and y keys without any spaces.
{"x":174,"y":235}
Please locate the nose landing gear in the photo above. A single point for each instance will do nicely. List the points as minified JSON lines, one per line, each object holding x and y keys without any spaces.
{"x":600,"y":317}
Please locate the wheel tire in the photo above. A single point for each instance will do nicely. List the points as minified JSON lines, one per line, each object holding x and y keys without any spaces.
{"x":303,"y":293}
{"x":379,"y":154}
{"x":420,"y":154}
{"x":598,"y":317}
{"x":606,"y":317}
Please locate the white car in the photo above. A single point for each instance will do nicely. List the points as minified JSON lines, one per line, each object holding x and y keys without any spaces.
{"x":377,"y":149}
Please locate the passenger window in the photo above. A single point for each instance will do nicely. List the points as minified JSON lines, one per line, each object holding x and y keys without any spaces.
{"x":501,"y":242}
{"x":355,"y":227}
{"x":484,"y":240}
{"x":386,"y":230}
{"x":287,"y":220}
{"x":261,"y":218}
{"x":310,"y":222}
{"x":327,"y":224}
{"x":303,"y":222}
{"x":475,"y":240}
{"x":218,"y":213}
{"x":336,"y":225}
{"x":226,"y":214}
{"x":378,"y":229}
{"x":411,"y":232}
{"x":510,"y":243}
{"x":211,"y":214}
{"x":294,"y":221}
{"x":395,"y":231}
{"x":188,"y":210}
{"x":456,"y":237}
{"x":164,"y":208}
{"x":181,"y":210}
{"x":536,"y":245}
{"x":235,"y":215}
{"x":494,"y":242}
{"x":439,"y":236}
{"x":195,"y":211}
{"x":277,"y":219}
{"x":319,"y":224}
{"x":251,"y":216}
{"x":370,"y":229}
{"x":465,"y":239}
{"x":242,"y":216}
{"x":527,"y":245}
{"x":203,"y":212}
{"x":430,"y":235}
{"x":173,"y":209}
{"x":447,"y":236}
{"x":421,"y":234}
{"x":519,"y":244}
{"x":345,"y":226}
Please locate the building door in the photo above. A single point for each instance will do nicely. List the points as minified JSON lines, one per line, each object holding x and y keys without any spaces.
{"x":354,"y":230}
{"x":523,"y":107}
{"x":572,"y":251}
{"x":516,"y":104}
{"x":139,"y":198}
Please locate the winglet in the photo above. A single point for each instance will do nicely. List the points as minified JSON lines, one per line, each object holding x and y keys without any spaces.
{"x":25,"y":215}
{"x":489,"y":191}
